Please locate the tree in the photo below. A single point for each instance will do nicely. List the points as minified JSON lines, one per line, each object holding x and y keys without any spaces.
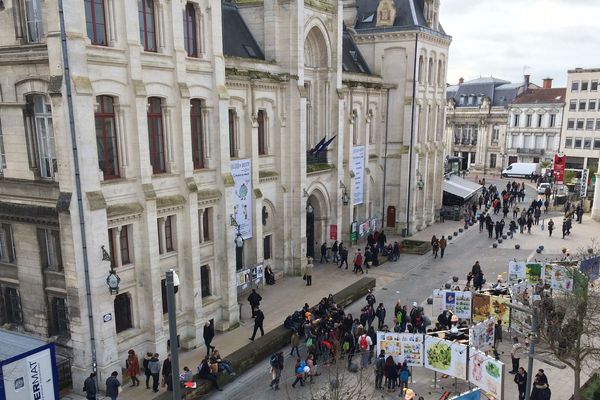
{"x":570,"y":324}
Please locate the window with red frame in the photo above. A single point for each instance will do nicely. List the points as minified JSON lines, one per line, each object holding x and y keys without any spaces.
{"x":169,"y":233}
{"x":156,"y":139}
{"x":262,"y":139}
{"x":95,"y":21}
{"x":190,"y":30}
{"x":124,"y":242}
{"x":147,"y":20}
{"x":106,"y":138}
{"x":197,"y":126}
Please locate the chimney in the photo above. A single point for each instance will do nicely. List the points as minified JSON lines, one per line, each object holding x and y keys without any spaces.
{"x":547,"y":83}
{"x":527,"y":76}
{"x":461,"y":80}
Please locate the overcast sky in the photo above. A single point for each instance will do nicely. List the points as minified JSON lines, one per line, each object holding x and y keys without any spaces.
{"x":502,"y":37}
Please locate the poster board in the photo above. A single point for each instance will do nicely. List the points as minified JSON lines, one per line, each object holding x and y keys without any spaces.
{"x":559,"y":277}
{"x":486,"y":306}
{"x":533,"y":273}
{"x":446,"y":357}
{"x":516,"y":271}
{"x":459,"y":302}
{"x":241,"y":172}
{"x":481,"y":336}
{"x":474,"y":394}
{"x":249,"y":277}
{"x":486,"y":373}
{"x":402,"y":347}
{"x":358,"y":167}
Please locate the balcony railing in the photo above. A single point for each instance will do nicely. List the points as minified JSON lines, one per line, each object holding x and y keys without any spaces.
{"x":316,"y":158}
{"x":522,"y":150}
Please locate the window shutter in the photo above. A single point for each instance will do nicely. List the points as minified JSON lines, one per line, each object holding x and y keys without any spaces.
{"x":12,"y":255}
{"x":3,"y":247}
{"x":41,"y":233}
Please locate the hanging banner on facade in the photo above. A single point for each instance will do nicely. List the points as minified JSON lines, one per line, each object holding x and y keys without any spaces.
{"x":241,"y":171}
{"x":458,"y":302}
{"x":584,"y":183}
{"x":481,"y":336}
{"x":358,"y":167}
{"x":446,"y":357}
{"x":402,"y":347}
{"x":486,"y":373}
{"x":516,"y":272}
{"x":332,"y":232}
{"x":486,"y":306}
{"x":559,"y":168}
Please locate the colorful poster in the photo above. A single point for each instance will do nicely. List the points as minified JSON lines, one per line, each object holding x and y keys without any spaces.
{"x":486,"y":373}
{"x":499,"y":310}
{"x":584,"y":183}
{"x":358,"y":167}
{"x":402,"y":347}
{"x":241,"y":171}
{"x":516,"y":271}
{"x":558,"y":277}
{"x":446,"y":357}
{"x":559,"y":168}
{"x":486,"y":306}
{"x":481,"y":336}
{"x":459,"y":302}
{"x":474,"y":394}
{"x":533,"y":273}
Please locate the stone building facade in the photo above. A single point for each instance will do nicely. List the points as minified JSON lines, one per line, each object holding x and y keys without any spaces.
{"x":477,"y":121}
{"x":134,"y":161}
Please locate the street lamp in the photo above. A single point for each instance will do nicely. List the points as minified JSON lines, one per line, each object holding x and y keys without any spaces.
{"x":112,"y":280}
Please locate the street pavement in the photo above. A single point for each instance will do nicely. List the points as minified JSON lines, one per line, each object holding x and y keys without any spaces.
{"x":410,"y":279}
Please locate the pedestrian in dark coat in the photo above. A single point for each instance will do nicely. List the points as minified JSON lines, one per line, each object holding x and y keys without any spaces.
{"x":443,"y":245}
{"x":521,"y":381}
{"x":147,"y":372}
{"x":380,"y":314}
{"x":112,"y":386}
{"x":154,"y":366}
{"x":208,"y":334}
{"x":258,"y":323}
{"x":343,"y":255}
{"x":254,"y":299}
{"x":89,"y":387}
{"x":167,"y":370}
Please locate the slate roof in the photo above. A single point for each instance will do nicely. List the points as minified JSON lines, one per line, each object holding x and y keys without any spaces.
{"x":352,"y":59}
{"x":500,"y":92}
{"x":542,"y":96}
{"x":409,"y":13}
{"x":237,"y":38}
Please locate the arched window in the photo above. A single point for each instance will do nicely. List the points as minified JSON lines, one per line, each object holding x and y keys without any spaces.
{"x":197,"y":127}
{"x":106,"y":137}
{"x":190,"y":30}
{"x":156,"y":137}
{"x":95,"y":21}
{"x":421,"y":69}
{"x":261,"y":119}
{"x":439,"y":73}
{"x":147,"y":20}
{"x":430,"y":72}
{"x":123,"y":319}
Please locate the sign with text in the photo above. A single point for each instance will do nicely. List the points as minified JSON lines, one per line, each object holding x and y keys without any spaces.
{"x":358,"y":167}
{"x":458,"y":302}
{"x":516,"y":272}
{"x":241,"y":171}
{"x":31,"y":377}
{"x":584,"y":183}
{"x":402,"y":347}
{"x":481,"y":336}
{"x":559,"y":168}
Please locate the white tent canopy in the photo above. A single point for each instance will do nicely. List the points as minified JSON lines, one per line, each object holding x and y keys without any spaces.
{"x":460,"y":187}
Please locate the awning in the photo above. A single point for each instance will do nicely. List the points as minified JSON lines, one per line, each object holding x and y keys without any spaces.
{"x":460,"y":187}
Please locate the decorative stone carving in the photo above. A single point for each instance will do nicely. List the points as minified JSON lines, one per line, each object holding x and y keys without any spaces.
{"x":386,"y":13}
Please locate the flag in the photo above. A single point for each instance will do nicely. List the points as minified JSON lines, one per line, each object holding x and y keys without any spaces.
{"x":324,"y":145}
{"x":318,"y":145}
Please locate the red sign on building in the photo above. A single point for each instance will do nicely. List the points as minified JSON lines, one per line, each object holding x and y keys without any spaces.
{"x":559,"y":168}
{"x":332,"y":232}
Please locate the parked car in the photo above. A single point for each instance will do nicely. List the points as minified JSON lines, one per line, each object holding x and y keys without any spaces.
{"x":542,"y":188}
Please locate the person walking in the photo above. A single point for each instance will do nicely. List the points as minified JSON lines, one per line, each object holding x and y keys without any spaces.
{"x":529,"y":223}
{"x":90,"y":388}
{"x":358,"y":260}
{"x":364,"y":344}
{"x":435,"y":245}
{"x":112,"y":386}
{"x":550,"y":227}
{"x":379,"y":369}
{"x":309,"y":271}
{"x":276,"y":363}
{"x":579,"y":213}
{"x":154,"y":367}
{"x":167,"y":370}
{"x":299,"y":369}
{"x":147,"y":372}
{"x":132,"y":364}
{"x":443,"y":244}
{"x":254,"y":299}
{"x":515,"y":355}
{"x":380,"y":314}
{"x":295,"y":342}
{"x":208,"y":334}
{"x":334,"y":252}
{"x":324,"y":253}
{"x":403,"y":376}
{"x":343,"y":255}
{"x":521,"y":381}
{"x":258,"y":323}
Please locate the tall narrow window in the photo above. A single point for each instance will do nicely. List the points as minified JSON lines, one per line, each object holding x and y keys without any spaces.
{"x":111,"y":247}
{"x":421,"y":66}
{"x":7,"y":244}
{"x":33,"y":20}
{"x":163,"y":296}
{"x":59,"y":321}
{"x":267,"y":247}
{"x":232,"y":134}
{"x":169,"y":233}
{"x":124,"y":245}
{"x":2,"y":152}
{"x":50,"y":251}
{"x":123,"y":320}
{"x":262,"y":133}
{"x":147,"y":22}
{"x":197,"y":127}
{"x":190,"y":30}
{"x":205,"y":280}
{"x":156,"y":140}
{"x":45,"y":155}
{"x":12,"y":306}
{"x":207,"y":224}
{"x":95,"y":21}
{"x":106,"y":138}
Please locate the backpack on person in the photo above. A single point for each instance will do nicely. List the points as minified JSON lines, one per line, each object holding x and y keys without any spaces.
{"x":364,"y":345}
{"x":404,"y":375}
{"x":346,"y":346}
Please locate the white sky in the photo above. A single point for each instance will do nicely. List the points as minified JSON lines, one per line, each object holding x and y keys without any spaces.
{"x":503,"y":37}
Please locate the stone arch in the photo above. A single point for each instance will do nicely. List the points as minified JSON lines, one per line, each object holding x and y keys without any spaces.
{"x":30,"y":85}
{"x":317,"y":217}
{"x":317,"y":49}
{"x":271,"y":220}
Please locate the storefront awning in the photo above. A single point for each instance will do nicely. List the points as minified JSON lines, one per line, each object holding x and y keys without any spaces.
{"x":460,"y":187}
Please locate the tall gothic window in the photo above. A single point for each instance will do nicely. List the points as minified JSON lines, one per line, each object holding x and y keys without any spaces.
{"x":156,"y":137}
{"x":262,"y":133}
{"x":95,"y":21}
{"x":233,"y":153}
{"x":147,"y":20}
{"x":190,"y":30}
{"x":197,"y":127}
{"x":106,"y":138}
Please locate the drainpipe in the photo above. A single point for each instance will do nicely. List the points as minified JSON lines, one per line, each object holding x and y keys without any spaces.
{"x":412,"y":136}
{"x":67,"y":78}
{"x":385,"y":153}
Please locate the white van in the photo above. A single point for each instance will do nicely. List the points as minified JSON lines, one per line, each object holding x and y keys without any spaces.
{"x":522,"y":170}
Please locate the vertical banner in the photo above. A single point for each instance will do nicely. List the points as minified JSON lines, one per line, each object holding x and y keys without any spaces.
{"x":481,"y":336}
{"x":358,"y":167}
{"x":584,"y":183}
{"x":241,"y":171}
{"x":559,"y":168}
{"x":486,"y":373}
{"x":332,"y":232}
